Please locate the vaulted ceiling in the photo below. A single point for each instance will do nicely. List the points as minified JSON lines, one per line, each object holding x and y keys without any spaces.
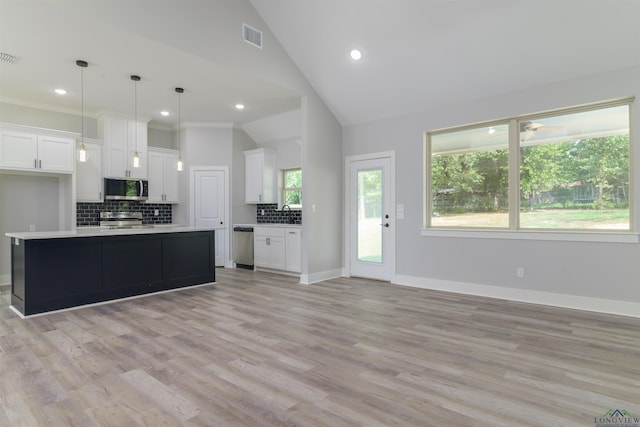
{"x":417,"y":54}
{"x":422,"y":54}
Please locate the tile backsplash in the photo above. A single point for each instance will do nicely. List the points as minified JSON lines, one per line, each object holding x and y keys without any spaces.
{"x":88,"y":214}
{"x":274,"y":216}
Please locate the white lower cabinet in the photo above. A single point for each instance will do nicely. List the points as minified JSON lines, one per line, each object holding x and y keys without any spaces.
{"x":269,"y":248}
{"x":293,"y":247}
{"x":277,"y":248}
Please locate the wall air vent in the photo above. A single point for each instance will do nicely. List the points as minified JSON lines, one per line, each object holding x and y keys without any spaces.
{"x":7,"y":58}
{"x":252,"y":36}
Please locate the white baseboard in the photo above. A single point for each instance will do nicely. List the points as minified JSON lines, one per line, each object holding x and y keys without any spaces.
{"x":308,"y":279}
{"x":621,"y":308}
{"x":5,"y":279}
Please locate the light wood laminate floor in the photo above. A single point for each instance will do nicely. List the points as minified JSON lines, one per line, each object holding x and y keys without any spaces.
{"x":260,"y":349}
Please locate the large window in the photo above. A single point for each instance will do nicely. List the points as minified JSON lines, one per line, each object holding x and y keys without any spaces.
{"x":567,"y":170}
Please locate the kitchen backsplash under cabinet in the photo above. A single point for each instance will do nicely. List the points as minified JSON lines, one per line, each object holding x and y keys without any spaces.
{"x":273,"y":215}
{"x":88,"y":214}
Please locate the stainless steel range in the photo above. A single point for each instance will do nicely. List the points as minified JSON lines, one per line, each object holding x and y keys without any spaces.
{"x":122,"y":220}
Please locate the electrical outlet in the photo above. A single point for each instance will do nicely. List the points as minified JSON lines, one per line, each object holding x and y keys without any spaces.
{"x":262,"y":212}
{"x":156,"y":212}
{"x":520,"y":272}
{"x":32,"y":227}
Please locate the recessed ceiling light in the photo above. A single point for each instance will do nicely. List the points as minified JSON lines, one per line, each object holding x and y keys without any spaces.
{"x":165,"y":113}
{"x":239,"y":106}
{"x":356,"y":55}
{"x":60,"y":91}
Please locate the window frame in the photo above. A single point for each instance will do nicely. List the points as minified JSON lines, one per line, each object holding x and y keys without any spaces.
{"x":284,"y":189}
{"x":514,"y":231}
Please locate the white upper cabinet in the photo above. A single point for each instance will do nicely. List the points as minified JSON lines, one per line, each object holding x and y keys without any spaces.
{"x":38,"y":150}
{"x":260,"y":176}
{"x":163,"y":175}
{"x":122,"y":138}
{"x":55,"y":154}
{"x":89,"y":174}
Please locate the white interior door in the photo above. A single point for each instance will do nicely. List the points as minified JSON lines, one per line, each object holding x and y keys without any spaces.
{"x":210,"y":207}
{"x":371,"y":224}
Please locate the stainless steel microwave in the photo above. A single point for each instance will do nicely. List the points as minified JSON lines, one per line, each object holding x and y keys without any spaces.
{"x":126,"y":189}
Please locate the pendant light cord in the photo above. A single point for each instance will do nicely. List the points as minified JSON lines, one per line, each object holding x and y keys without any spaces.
{"x":82,"y":64}
{"x":135,"y":112}
{"x":82,"y":105}
{"x":179,"y":91}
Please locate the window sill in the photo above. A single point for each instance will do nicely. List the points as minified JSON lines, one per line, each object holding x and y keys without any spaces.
{"x":565,"y":236}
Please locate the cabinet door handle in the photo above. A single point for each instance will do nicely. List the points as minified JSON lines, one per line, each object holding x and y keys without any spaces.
{"x":100,"y":195}
{"x":40,"y":164}
{"x":35,"y":163}
{"x":268,"y":240}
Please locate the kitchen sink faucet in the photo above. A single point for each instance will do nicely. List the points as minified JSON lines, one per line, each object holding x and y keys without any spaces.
{"x":289,"y":217}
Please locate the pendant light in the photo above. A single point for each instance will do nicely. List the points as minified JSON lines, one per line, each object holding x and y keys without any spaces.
{"x":82,"y":151}
{"x":180,"y":164}
{"x":136,"y":156}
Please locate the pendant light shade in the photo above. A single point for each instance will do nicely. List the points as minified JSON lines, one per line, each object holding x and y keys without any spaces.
{"x":82,"y":150}
{"x":180,"y":163}
{"x":136,"y":156}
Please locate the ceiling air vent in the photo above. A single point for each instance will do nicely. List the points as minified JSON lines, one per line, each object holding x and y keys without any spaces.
{"x":252,"y":36}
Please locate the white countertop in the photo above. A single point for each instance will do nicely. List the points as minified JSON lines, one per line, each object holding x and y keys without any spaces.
{"x":270,"y":225}
{"x":97,"y":231}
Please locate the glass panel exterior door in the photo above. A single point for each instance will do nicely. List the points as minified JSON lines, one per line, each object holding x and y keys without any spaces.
{"x":369,"y":248}
{"x":371,"y":234}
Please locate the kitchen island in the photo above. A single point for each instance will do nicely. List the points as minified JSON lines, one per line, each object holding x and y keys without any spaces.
{"x":63,"y":269}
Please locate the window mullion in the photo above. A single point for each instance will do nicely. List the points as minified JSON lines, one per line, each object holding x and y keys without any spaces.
{"x":514,"y":175}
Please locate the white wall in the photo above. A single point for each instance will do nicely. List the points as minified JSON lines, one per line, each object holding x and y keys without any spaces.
{"x":321,"y":192}
{"x":161,"y":138}
{"x":25,"y":200}
{"x":28,"y":116}
{"x":201,"y":146}
{"x":605,"y":271}
{"x":241,"y":212}
{"x":288,"y":153}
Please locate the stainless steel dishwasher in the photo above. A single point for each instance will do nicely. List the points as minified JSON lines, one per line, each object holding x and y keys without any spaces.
{"x":243,"y":247}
